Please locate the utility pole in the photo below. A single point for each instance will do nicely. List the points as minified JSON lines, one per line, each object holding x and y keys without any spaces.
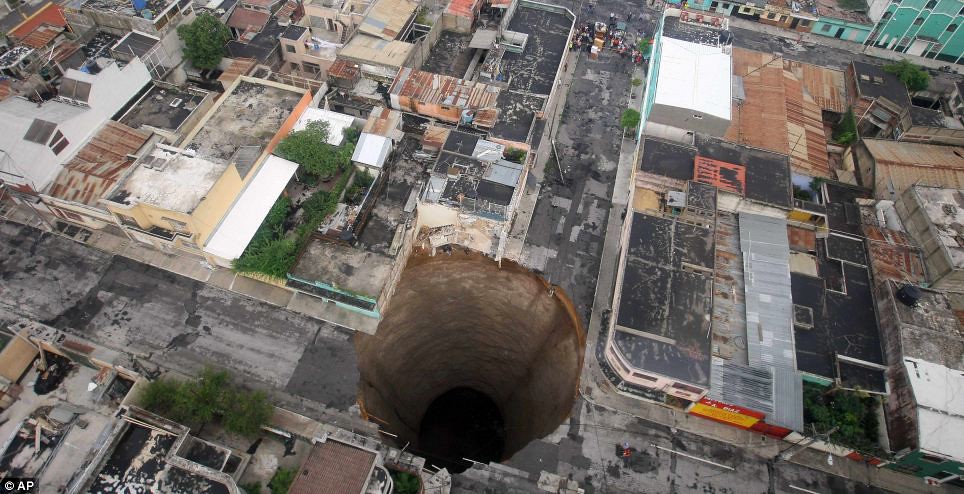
{"x":800,"y":446}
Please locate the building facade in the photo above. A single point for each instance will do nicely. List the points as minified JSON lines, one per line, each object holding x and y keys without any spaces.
{"x":926,"y":28}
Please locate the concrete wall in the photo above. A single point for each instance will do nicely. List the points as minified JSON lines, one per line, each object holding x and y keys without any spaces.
{"x":841,"y":29}
{"x":933,"y":135}
{"x":686,"y":118}
{"x":207,"y":215}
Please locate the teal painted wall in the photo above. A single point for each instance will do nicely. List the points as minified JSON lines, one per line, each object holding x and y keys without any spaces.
{"x":898,"y":22}
{"x":724,"y":8}
{"x":650,"y":93}
{"x":828,"y":26}
{"x":921,"y":465}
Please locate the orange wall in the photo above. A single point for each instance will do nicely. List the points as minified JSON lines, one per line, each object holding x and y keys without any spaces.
{"x":290,"y":122}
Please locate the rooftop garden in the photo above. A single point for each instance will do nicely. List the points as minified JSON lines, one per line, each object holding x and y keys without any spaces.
{"x":325,"y":177}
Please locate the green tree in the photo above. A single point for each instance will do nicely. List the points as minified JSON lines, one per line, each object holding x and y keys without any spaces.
{"x":274,"y":258}
{"x":204,"y":399}
{"x":630,"y":119}
{"x":913,"y":76}
{"x":204,"y":41}
{"x":161,"y":396}
{"x":845,"y":132}
{"x":309,"y":148}
{"x":245,"y":412}
{"x":281,"y":481}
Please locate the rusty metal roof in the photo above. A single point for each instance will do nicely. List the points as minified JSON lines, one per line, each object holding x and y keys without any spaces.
{"x":343,"y":69}
{"x":893,"y":255}
{"x":725,"y":176}
{"x":98,"y":164}
{"x":334,"y":467}
{"x":51,"y":15}
{"x":438,"y":89}
{"x":906,"y":163}
{"x":42,"y":36}
{"x":802,"y":239}
{"x":780,"y":113}
{"x":246,"y":18}
{"x":462,"y":8}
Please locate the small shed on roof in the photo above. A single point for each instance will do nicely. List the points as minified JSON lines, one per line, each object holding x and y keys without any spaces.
{"x":337,"y":123}
{"x":372,"y":150}
{"x":17,"y":357}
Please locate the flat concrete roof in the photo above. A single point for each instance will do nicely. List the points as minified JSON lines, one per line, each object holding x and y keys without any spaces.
{"x":163,"y":108}
{"x":169,"y":178}
{"x":344,"y":267}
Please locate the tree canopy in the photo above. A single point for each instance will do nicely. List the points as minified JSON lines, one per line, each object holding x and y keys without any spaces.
{"x":913,"y":77}
{"x":204,"y":41}
{"x":309,"y":148}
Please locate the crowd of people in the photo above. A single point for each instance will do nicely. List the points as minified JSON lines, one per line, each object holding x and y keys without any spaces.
{"x":613,"y":36}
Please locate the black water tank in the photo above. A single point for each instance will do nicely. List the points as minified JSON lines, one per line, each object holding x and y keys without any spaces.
{"x":909,"y":295}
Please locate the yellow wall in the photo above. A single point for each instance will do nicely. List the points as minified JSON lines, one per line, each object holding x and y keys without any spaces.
{"x":215,"y":205}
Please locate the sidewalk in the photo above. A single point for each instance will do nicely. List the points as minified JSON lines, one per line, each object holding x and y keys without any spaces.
{"x":850,"y":46}
{"x":597,"y":389}
{"x":198,"y":269}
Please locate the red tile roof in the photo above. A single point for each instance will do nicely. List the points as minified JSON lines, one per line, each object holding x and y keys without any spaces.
{"x":334,"y":467}
{"x":98,"y":164}
{"x":246,"y":18}
{"x":51,"y":14}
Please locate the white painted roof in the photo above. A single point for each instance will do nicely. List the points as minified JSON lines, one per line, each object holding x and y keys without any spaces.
{"x":939,"y":392}
{"x":694,"y":76}
{"x":337,"y":123}
{"x":250,"y":209}
{"x":372,"y":150}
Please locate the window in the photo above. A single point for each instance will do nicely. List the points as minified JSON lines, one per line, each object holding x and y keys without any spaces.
{"x":645,"y":377}
{"x":951,"y":28}
{"x":931,"y":4}
{"x":960,"y":12}
{"x":40,"y":131}
{"x":68,"y":215}
{"x":804,"y":22}
{"x":697,"y":116}
{"x":289,"y":48}
{"x":714,"y":5}
{"x":918,"y":21}
{"x":771,"y":15}
{"x":887,"y":15}
{"x":60,"y":146}
{"x":825,"y":28}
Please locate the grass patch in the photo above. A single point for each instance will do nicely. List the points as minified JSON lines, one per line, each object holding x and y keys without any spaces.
{"x":281,"y":481}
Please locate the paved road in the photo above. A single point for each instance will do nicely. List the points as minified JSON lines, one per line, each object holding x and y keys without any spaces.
{"x":175,"y":322}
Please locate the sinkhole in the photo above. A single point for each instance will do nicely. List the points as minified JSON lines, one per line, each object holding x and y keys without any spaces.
{"x":471,"y":360}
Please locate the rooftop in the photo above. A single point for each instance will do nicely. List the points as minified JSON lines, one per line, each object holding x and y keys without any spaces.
{"x":940,"y":406}
{"x":125,"y":7}
{"x":903,"y":164}
{"x":337,"y":123}
{"x":136,"y":44}
{"x":387,"y":18}
{"x":96,"y":167}
{"x":244,"y":19}
{"x":929,"y":331}
{"x":51,"y":14}
{"x":241,"y":222}
{"x":664,"y":309}
{"x":691,"y":67}
{"x":258,"y":46}
{"x":534,"y":70}
{"x":344,"y":267}
{"x":874,"y":82}
{"x":334,"y":467}
{"x":893,"y":256}
{"x":437,"y":89}
{"x":373,"y":49}
{"x":250,"y":114}
{"x":163,"y":107}
{"x":169,"y":178}
{"x":945,"y":210}
{"x":780,"y":114}
{"x":692,"y":32}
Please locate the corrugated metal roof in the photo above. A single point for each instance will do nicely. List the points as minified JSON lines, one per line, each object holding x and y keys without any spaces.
{"x":780,"y":113}
{"x":42,"y":36}
{"x":375,"y":50}
{"x":97,"y":166}
{"x":462,"y":8}
{"x":51,"y":14}
{"x":776,"y":392}
{"x":902,"y":164}
{"x":769,"y":306}
{"x":387,"y":18}
{"x":427,"y":87}
{"x":504,"y":172}
{"x":246,"y":19}
{"x":238,"y":68}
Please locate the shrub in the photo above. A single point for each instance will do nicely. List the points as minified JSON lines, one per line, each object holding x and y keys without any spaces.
{"x":209,"y":397}
{"x":845,"y":132}
{"x":854,"y":415}
{"x":637,"y":82}
{"x":281,"y":481}
{"x":309,"y":148}
{"x":913,"y":77}
{"x":274,"y":258}
{"x":630,"y":119}
{"x":405,"y":483}
{"x":515,"y":155}
{"x":251,"y":487}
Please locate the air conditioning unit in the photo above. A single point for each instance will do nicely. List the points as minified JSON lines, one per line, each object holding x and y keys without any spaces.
{"x":176,"y":103}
